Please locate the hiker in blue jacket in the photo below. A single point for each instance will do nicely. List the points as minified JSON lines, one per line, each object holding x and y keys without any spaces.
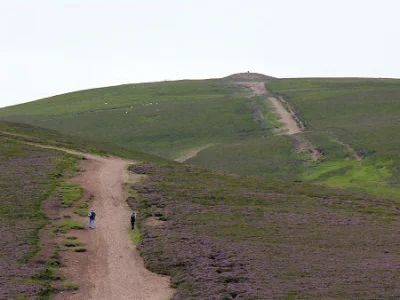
{"x":92,"y":217}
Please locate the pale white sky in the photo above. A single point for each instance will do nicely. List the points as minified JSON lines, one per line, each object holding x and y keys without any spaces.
{"x":49,"y":47}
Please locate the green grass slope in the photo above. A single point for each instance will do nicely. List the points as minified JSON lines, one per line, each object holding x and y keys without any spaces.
{"x":33,"y":134}
{"x":163,"y":118}
{"x":346,"y":115}
{"x":171,"y":119}
{"x":234,"y":131}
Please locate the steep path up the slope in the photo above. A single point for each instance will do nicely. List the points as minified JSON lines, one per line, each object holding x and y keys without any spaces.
{"x":290,"y":124}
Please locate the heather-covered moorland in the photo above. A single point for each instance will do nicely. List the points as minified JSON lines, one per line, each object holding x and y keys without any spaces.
{"x":28,"y":176}
{"x":230,"y":237}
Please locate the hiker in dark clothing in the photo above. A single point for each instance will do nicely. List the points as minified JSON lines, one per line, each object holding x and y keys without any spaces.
{"x":133,"y":219}
{"x":92,"y":217}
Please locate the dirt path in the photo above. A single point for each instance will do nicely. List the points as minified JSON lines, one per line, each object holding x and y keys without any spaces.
{"x":111,"y":268}
{"x":290,"y":124}
{"x":115,"y":269}
{"x":257,"y":87}
{"x":288,"y":118}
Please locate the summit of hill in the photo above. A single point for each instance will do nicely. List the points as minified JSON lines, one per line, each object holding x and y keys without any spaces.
{"x":249,"y":75}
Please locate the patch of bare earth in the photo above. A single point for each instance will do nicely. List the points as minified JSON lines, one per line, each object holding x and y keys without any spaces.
{"x":257,"y":88}
{"x":191,"y":153}
{"x":153,"y":221}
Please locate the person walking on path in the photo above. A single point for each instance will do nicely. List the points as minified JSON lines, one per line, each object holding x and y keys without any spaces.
{"x":133,"y":219}
{"x":92,"y":217}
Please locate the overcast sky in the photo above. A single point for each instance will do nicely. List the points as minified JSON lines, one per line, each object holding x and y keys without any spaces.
{"x":49,"y":47}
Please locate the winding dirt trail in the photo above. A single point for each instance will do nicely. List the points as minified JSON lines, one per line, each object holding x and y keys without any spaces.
{"x":111,"y":268}
{"x":114,"y":268}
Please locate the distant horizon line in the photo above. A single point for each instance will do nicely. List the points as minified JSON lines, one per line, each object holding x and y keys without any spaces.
{"x":270,"y":77}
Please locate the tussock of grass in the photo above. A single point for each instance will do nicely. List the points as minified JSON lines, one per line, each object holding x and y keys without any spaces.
{"x":136,"y":236}
{"x":80,"y":249}
{"x":68,"y":286}
{"x":72,"y":243}
{"x":82,"y":208}
{"x":70,"y":192}
{"x":67,"y":225}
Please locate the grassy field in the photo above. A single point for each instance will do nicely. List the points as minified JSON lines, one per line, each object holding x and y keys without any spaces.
{"x":163,"y":118}
{"x":29,"y":176}
{"x":230,"y":237}
{"x":169,"y":119}
{"x":362,"y":114}
{"x":269,"y":157}
{"x":33,"y":134}
{"x":343,"y":117}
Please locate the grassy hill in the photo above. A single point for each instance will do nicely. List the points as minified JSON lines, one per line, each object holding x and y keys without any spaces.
{"x":352,"y":121}
{"x":347,"y":116}
{"x":163,"y":118}
{"x":224,"y":235}
{"x":172,"y":119}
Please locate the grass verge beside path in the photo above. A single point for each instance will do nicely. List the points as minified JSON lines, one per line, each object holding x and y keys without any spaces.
{"x":249,"y":238}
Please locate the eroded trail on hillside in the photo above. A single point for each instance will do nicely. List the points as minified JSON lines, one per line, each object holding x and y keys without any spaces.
{"x":287,"y":118}
{"x":291,"y":126}
{"x":112,"y":267}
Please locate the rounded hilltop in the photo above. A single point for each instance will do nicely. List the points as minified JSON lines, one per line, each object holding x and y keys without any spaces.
{"x":248,"y":75}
